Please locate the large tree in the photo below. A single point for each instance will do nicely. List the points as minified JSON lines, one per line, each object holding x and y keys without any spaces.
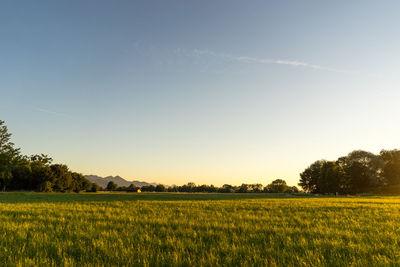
{"x":391,"y":170}
{"x":362,"y":171}
{"x":63,"y":176}
{"x":331,"y":178}
{"x":310,"y":176}
{"x":111,"y":186}
{"x":8,"y":156}
{"x":277,"y":186}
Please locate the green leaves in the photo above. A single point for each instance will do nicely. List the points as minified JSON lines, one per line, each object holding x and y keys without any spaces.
{"x":6,"y":146}
{"x":358,"y":172}
{"x":35,"y":172}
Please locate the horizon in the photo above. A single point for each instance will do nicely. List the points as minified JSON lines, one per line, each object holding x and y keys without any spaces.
{"x":208,"y":92}
{"x":167,"y":185}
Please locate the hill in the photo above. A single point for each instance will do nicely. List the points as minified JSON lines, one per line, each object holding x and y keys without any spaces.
{"x":103,"y":181}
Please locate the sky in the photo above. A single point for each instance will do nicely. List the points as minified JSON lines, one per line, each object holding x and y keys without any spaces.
{"x":210,"y":92}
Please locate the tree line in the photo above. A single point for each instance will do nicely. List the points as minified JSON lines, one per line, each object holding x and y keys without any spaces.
{"x":358,"y":172}
{"x":276,"y":186}
{"x":36,"y":172}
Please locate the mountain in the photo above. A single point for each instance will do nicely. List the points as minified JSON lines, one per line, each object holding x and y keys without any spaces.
{"x":103,"y":181}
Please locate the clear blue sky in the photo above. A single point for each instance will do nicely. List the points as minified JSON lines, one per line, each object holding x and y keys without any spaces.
{"x":204,"y":91}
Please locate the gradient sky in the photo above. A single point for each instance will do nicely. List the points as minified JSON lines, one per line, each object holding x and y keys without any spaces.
{"x":210,"y":92}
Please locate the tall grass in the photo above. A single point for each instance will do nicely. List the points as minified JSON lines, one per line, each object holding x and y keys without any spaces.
{"x":181,"y":232}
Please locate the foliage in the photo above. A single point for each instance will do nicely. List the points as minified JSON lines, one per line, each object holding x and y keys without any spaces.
{"x":226,"y":188}
{"x":111,"y":186}
{"x":132,"y":188}
{"x":391,"y":167}
{"x":310,"y":176}
{"x":36,"y":172}
{"x":358,"y":172}
{"x":160,"y":188}
{"x":277,"y":186}
{"x":8,"y":156}
{"x":94,"y":188}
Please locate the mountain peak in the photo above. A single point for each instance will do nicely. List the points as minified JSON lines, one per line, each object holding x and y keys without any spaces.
{"x":103,"y":181}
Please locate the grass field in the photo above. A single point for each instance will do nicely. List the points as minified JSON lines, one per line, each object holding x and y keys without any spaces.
{"x":197,"y":230}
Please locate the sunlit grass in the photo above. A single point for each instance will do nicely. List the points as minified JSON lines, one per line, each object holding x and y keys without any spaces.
{"x":138,"y":229}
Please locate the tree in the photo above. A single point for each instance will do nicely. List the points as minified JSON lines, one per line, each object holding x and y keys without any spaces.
{"x":391,"y":170}
{"x":244,"y":188}
{"x":277,"y":186}
{"x":190,"y":187}
{"x":132,"y":188}
{"x":95,"y":187}
{"x":46,"y":186}
{"x":148,"y":188}
{"x":21,"y":175}
{"x":111,"y":186}
{"x":63,"y":177}
{"x":310,"y":176}
{"x":40,"y":172}
{"x":256,"y":188}
{"x":6,"y":146}
{"x":226,"y":188}
{"x":330,"y":179}
{"x":42,"y":158}
{"x":358,"y":172}
{"x":173,"y":189}
{"x":79,"y":183}
{"x":34,"y":172}
{"x":160,"y":188}
{"x":362,"y":171}
{"x":292,"y":190}
{"x":8,"y":156}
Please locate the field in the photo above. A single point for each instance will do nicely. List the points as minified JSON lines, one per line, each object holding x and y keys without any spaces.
{"x":197,"y":230}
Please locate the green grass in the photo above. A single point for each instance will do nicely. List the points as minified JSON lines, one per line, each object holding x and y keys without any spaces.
{"x":197,"y":230}
{"x":59,"y":197}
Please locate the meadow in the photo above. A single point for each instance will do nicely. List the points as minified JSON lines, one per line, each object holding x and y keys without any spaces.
{"x":169,"y":229}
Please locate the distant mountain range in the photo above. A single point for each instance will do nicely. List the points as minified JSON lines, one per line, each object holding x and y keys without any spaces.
{"x":103,"y":181}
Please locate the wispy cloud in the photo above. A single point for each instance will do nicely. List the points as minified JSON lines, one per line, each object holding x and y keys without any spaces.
{"x":293,"y":63}
{"x":181,"y":53}
{"x":51,"y":112}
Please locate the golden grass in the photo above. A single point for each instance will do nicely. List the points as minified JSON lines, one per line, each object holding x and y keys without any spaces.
{"x":241,"y":232}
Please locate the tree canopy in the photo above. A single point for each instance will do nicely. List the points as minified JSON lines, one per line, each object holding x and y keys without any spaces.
{"x":36,"y":172}
{"x":358,"y":172}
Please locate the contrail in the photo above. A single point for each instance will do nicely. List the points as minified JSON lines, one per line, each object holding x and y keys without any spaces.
{"x":51,"y":112}
{"x":293,"y":63}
